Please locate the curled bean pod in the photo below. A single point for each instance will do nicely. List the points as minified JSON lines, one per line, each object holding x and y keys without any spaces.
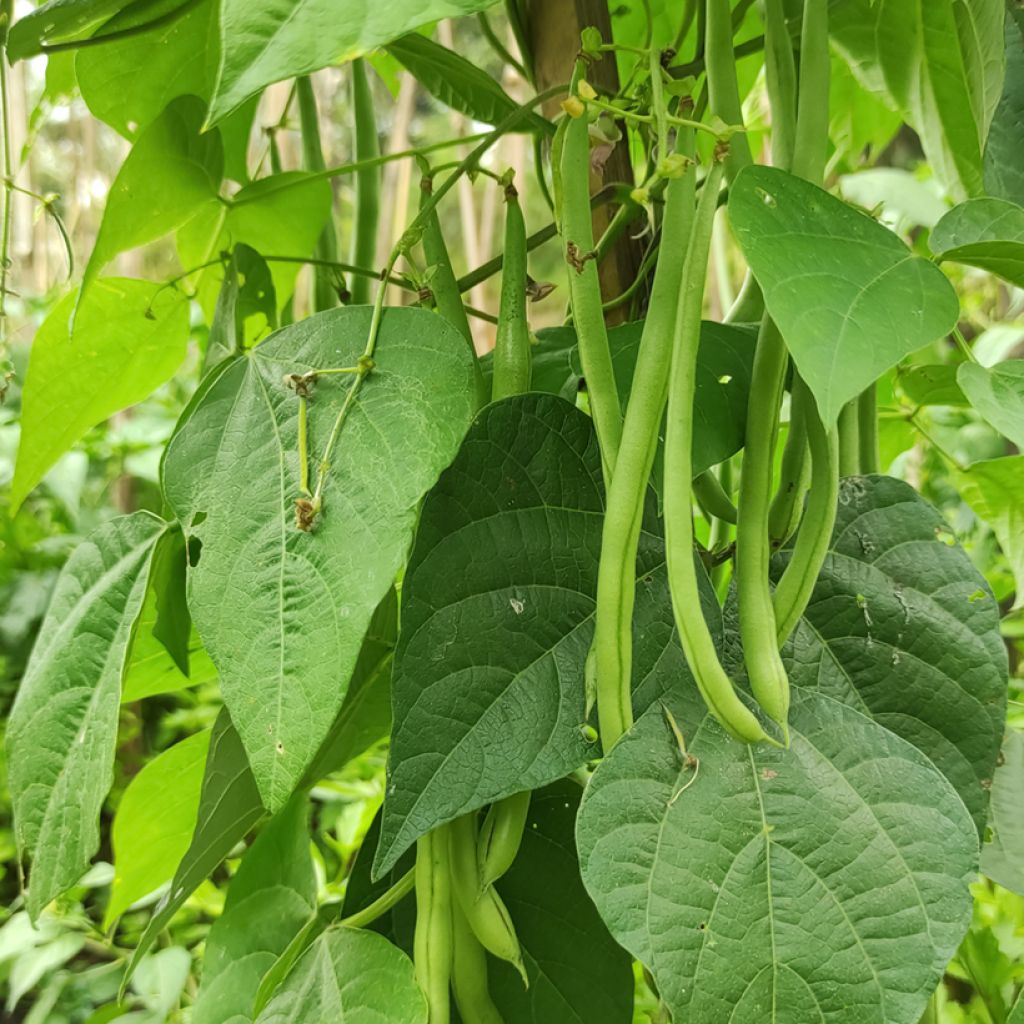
{"x":501,"y":835}
{"x":485,"y":911}
{"x":698,"y":645}
{"x":512,"y":345}
{"x":432,"y":942}
{"x":711,"y":497}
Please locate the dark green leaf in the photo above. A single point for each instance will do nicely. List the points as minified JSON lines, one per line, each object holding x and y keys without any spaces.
{"x":995,"y":490}
{"x":283,"y":611}
{"x":271,"y":40}
{"x":577,"y":971}
{"x":1002,"y":857}
{"x":496,"y":621}
{"x":63,"y":726}
{"x":154,"y":823}
{"x":934,"y":384}
{"x":997,"y":393}
{"x":457,"y":83}
{"x":902,"y":627}
{"x":229,"y":806}
{"x":984,"y":233}
{"x":849,"y":297}
{"x":58,"y":20}
{"x":246,"y":291}
{"x":1004,"y":172}
{"x":269,"y":899}
{"x":173,"y":624}
{"x":348,"y":976}
{"x":774,"y":885}
{"x":129,"y":338}
{"x":171,"y":172}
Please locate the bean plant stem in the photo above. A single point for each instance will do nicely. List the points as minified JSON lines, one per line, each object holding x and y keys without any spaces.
{"x":6,"y":12}
{"x":867,"y":429}
{"x":849,"y":439}
{"x":383,"y":903}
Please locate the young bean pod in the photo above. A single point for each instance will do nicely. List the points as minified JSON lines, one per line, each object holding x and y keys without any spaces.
{"x":698,"y":645}
{"x":711,"y":497}
{"x":469,"y":975}
{"x":616,"y":584}
{"x":577,"y":232}
{"x":432,"y":941}
{"x":367,"y":191}
{"x":512,"y":345}
{"x":501,"y":835}
{"x":484,"y":909}
{"x":723,"y":88}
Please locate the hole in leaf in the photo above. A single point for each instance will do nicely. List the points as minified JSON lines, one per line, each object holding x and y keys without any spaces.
{"x":198,"y":519}
{"x":195,"y":548}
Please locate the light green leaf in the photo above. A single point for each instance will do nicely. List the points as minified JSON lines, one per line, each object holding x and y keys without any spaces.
{"x":58,"y":20}
{"x":984,"y":233}
{"x":903,"y":627}
{"x":154,"y":823}
{"x":773,"y":885}
{"x":932,"y":384}
{"x":160,"y":982}
{"x":576,"y":969}
{"x":1017,"y":1013}
{"x":269,"y":899}
{"x":129,"y":338}
{"x":63,"y":726}
{"x":280,"y":215}
{"x":457,"y":83}
{"x":849,"y":297}
{"x":1002,"y":857}
{"x":1004,"y":171}
{"x":271,"y":40}
{"x":246,"y":291}
{"x":283,"y":611}
{"x":997,"y":394}
{"x":171,"y":171}
{"x":348,"y":976}
{"x":229,"y":806}
{"x":995,"y":490}
{"x":496,"y":623}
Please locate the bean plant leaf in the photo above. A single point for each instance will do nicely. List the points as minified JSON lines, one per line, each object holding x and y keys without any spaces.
{"x":270,"y":898}
{"x":129,"y":338}
{"x":576,"y":969}
{"x":1017,"y":1013}
{"x":229,"y":807}
{"x":932,"y":384}
{"x":773,"y":885}
{"x":457,"y":82}
{"x":247,"y":290}
{"x":56,"y":21}
{"x":1004,"y":175}
{"x":154,"y":823}
{"x":272,"y":40}
{"x":903,"y":627}
{"x":347,"y":976}
{"x":488,"y":692}
{"x":172,"y":626}
{"x":171,"y":171}
{"x":63,"y":726}
{"x":1002,"y":856}
{"x":848,"y":296}
{"x":984,"y":233}
{"x":997,"y":393}
{"x":995,"y":490}
{"x":283,"y":611}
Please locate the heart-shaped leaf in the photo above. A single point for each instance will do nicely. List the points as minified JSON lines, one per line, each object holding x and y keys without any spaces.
{"x":932,"y":384}
{"x":997,"y":393}
{"x":848,"y":296}
{"x":771,"y":885}
{"x":1002,"y":857}
{"x":489,"y":692}
{"x":63,"y":726}
{"x":984,"y":233}
{"x":903,"y":627}
{"x":283,"y":611}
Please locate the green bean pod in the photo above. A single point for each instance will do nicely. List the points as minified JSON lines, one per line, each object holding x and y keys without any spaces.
{"x":577,"y":232}
{"x":469,"y":975}
{"x":867,"y":423}
{"x":512,"y":354}
{"x":616,"y":583}
{"x":367,"y":190}
{"x":698,"y":645}
{"x":811,"y":146}
{"x":723,"y":88}
{"x":711,"y":497}
{"x":484,"y":909}
{"x":500,"y":836}
{"x":780,"y":78}
{"x":794,"y":476}
{"x":326,"y":280}
{"x":432,"y":941}
{"x":849,"y":439}
{"x":795,"y":587}
{"x":444,"y":286}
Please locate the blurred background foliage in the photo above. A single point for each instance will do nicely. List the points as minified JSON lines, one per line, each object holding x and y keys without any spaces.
{"x":67,"y":971}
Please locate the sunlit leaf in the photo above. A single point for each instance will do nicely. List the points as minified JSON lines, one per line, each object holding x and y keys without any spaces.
{"x":985,"y":233}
